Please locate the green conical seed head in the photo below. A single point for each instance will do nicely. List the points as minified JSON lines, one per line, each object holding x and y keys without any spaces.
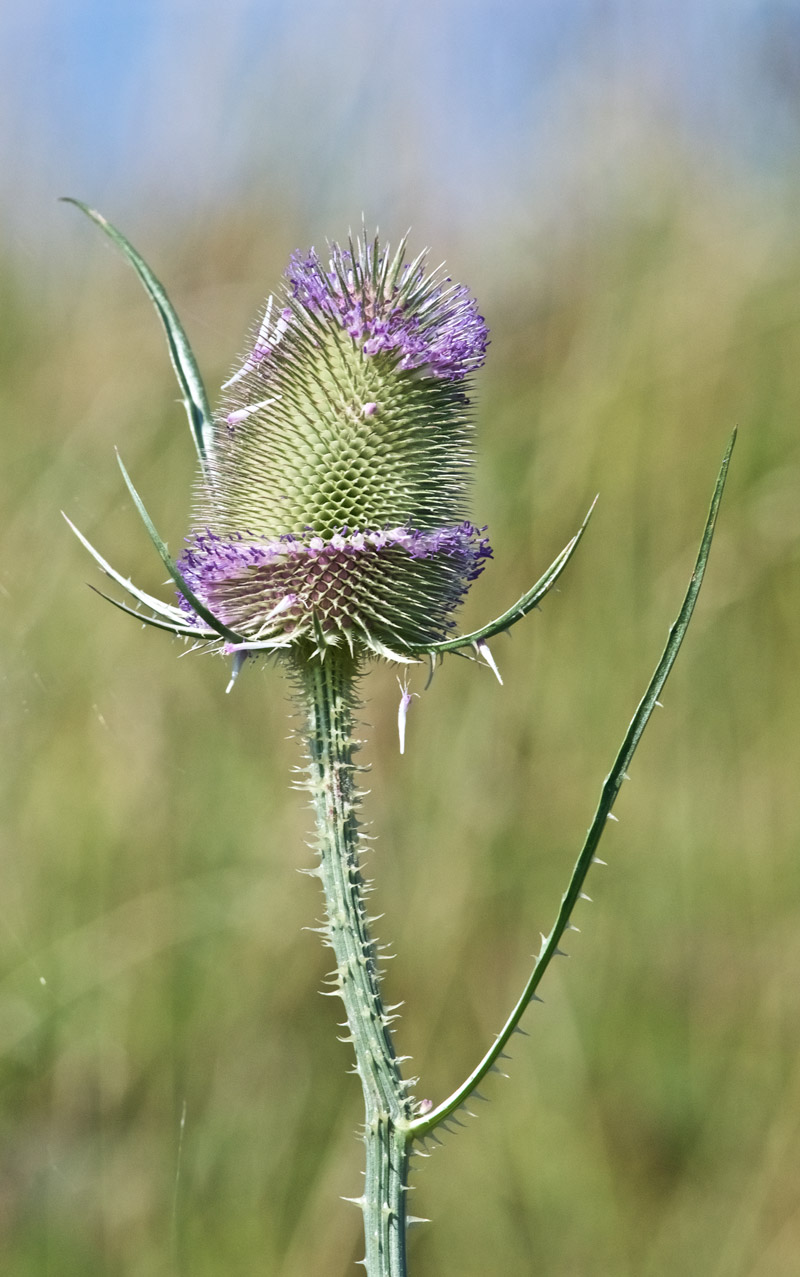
{"x":344,"y":440}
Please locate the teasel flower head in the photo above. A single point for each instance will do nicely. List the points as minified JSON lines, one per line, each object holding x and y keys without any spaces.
{"x":331,"y":505}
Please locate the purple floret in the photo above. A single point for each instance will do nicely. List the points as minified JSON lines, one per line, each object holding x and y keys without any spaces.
{"x":427,"y":323}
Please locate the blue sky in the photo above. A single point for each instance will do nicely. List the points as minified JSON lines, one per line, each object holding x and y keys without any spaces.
{"x":478,"y":107}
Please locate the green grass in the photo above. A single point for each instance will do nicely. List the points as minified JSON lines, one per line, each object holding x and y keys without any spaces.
{"x":151,"y":843}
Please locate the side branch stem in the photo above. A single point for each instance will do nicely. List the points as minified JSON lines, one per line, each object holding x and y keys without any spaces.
{"x":328,"y":692}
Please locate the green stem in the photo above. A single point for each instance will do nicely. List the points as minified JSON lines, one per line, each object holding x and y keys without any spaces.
{"x":328,"y":692}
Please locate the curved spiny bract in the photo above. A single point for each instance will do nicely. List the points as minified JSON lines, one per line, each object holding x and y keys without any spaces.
{"x":193,"y":392}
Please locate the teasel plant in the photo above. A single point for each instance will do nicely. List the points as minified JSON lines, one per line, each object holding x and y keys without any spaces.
{"x":331,"y":530}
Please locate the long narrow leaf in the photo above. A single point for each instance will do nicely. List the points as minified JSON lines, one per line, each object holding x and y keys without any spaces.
{"x":169,"y":563}
{"x":425,"y":1124}
{"x":195,"y":399}
{"x":530,"y":600}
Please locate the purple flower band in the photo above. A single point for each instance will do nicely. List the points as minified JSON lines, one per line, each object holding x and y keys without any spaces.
{"x":427,"y":323}
{"x":209,"y":555}
{"x":285,"y":586}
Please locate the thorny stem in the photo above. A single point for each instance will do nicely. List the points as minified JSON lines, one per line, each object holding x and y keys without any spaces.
{"x":327,"y":689}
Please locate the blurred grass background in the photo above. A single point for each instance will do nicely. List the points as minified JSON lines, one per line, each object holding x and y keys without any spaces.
{"x":174,"y":1100}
